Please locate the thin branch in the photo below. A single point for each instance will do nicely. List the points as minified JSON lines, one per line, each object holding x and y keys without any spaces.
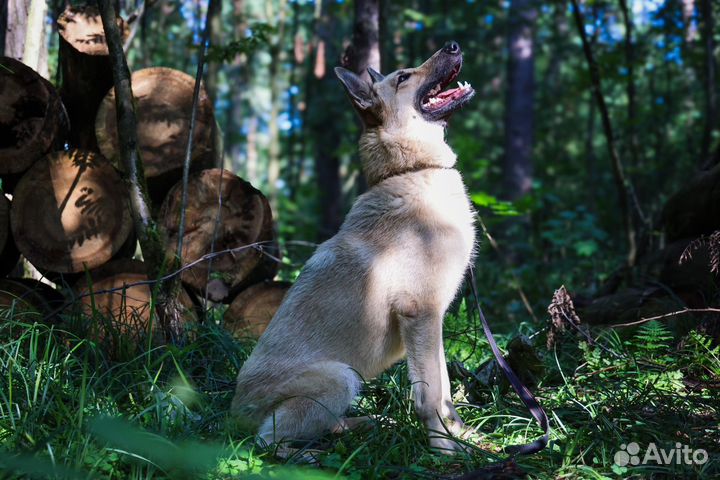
{"x":666,"y":315}
{"x":145,"y":227}
{"x":622,"y":184}
{"x":259,"y":246}
{"x":632,"y":104}
{"x":191,"y":131}
{"x":134,"y":20}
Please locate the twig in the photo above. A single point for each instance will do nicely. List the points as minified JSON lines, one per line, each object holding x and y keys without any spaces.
{"x":153,"y":281}
{"x":621,"y":182}
{"x":666,"y":315}
{"x":191,"y":131}
{"x":150,"y":243}
{"x":136,"y":19}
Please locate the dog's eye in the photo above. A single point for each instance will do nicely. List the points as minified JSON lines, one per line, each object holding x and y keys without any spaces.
{"x":402,"y":77}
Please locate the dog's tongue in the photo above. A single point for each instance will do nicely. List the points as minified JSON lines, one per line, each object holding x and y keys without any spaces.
{"x":453,"y":93}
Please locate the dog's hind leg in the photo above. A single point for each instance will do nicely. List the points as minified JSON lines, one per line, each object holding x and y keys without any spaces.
{"x":314,"y":403}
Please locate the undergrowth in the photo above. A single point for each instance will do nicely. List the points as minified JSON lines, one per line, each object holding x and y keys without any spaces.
{"x":69,"y":411}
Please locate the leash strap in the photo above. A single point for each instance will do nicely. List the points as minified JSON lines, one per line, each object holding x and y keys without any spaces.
{"x":525,"y":395}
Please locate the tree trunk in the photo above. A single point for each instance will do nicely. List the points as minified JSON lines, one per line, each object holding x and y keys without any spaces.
{"x":364,"y":50}
{"x":163,"y":99}
{"x":70,"y":212}
{"x":245,"y":218}
{"x":238,"y":78}
{"x":250,"y":313}
{"x":327,"y":103}
{"x":35,"y":49}
{"x":517,"y":165}
{"x":85,"y":70}
{"x":277,"y":59}
{"x":32,"y":119}
{"x":14,"y":15}
{"x":216,"y":38}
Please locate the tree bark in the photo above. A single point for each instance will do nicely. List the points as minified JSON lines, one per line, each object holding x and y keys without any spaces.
{"x":216,"y":38}
{"x":364,"y":50}
{"x":14,"y":16}
{"x":35,"y":48}
{"x":517,"y":165}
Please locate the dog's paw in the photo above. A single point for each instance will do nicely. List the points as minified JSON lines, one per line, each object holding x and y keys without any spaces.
{"x":448,"y":445}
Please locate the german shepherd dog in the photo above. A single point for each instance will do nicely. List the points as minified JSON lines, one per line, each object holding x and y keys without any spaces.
{"x":377,"y":290}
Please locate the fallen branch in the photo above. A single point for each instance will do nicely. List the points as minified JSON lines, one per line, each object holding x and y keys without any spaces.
{"x":666,"y":315}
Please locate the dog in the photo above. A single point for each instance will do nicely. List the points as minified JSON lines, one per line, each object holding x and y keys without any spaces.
{"x":378,"y":290}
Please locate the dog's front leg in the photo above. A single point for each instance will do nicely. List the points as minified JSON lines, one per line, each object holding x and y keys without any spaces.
{"x":422,"y":336}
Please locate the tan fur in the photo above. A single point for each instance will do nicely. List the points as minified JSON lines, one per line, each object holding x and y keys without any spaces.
{"x":376,"y":291}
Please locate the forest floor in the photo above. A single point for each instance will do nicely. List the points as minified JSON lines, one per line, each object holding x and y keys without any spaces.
{"x":67,"y":411}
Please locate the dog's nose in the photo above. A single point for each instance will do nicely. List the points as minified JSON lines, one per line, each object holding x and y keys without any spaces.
{"x":452,"y":48}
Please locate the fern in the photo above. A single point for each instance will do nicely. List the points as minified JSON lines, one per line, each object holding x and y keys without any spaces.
{"x":652,"y":339}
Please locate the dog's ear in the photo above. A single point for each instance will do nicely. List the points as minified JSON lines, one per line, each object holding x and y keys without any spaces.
{"x":375,"y":75}
{"x":361,"y":95}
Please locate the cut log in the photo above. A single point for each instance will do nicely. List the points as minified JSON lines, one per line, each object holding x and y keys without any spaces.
{"x":70,"y":212}
{"x":245,"y":220}
{"x":695,"y":209}
{"x":9,"y":254}
{"x":116,"y":300}
{"x":85,"y":67}
{"x":32,"y":117}
{"x":28,"y":300}
{"x":163,"y":99}
{"x":251,"y":311}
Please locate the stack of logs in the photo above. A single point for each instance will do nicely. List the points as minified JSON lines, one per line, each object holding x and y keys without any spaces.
{"x":64,"y":205}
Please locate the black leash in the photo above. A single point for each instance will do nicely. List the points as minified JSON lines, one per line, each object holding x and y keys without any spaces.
{"x":525,"y":395}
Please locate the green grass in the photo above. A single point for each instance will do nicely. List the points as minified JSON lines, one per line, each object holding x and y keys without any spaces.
{"x":68,"y":411}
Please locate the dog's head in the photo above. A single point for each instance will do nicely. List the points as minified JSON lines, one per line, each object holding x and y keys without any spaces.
{"x":411,"y":94}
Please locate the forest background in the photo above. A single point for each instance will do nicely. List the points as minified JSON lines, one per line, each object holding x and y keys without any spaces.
{"x":591,"y":152}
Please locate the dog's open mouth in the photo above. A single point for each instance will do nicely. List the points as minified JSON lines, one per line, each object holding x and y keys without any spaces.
{"x":437,"y":103}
